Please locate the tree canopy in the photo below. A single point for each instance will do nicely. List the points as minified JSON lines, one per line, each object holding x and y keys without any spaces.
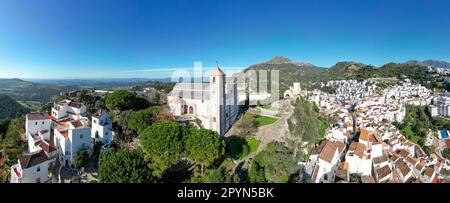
{"x":139,"y":120}
{"x":163,"y":145}
{"x":203,"y":146}
{"x":120,"y":100}
{"x":219,"y":175}
{"x":124,"y":166}
{"x":276,"y":164}
{"x":81,"y":159}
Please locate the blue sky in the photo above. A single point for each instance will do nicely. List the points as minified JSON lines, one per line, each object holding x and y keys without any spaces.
{"x":104,"y":38}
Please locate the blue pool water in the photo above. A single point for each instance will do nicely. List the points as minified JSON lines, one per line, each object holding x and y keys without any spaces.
{"x":444,"y":134}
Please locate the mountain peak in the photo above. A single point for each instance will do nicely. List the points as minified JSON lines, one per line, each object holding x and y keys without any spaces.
{"x":279,"y":60}
{"x":432,"y":63}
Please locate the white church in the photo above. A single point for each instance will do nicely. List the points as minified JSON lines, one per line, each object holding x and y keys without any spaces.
{"x":215,"y":103}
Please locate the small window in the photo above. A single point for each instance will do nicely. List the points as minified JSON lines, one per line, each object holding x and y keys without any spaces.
{"x":42,"y":122}
{"x":38,"y":169}
{"x":95,"y":121}
{"x":214,"y":119}
{"x":35,"y":123}
{"x":81,"y":136}
{"x":214,"y":79}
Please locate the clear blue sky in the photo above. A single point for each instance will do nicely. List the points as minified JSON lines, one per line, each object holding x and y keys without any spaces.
{"x":105,"y":38}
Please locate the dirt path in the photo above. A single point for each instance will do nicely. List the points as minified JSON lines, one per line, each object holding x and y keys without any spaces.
{"x":273,"y":132}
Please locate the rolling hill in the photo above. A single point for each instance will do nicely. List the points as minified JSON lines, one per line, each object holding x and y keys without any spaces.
{"x":311,"y":76}
{"x":30,"y":91}
{"x":432,"y":63}
{"x":10,"y":108}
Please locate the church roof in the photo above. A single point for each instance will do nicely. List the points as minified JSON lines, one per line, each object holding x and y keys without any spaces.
{"x":217,"y":71}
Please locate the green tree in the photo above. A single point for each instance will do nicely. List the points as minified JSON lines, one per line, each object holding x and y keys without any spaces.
{"x":219,"y":175}
{"x":80,"y":159}
{"x":139,"y":120}
{"x":163,"y":145}
{"x":4,"y":123}
{"x":123,"y":166}
{"x":203,"y":146}
{"x":76,"y":179}
{"x":446,"y":153}
{"x":275,"y":164}
{"x":120,"y":100}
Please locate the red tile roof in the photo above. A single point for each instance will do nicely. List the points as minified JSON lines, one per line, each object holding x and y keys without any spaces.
{"x":447,"y":142}
{"x":65,"y":133}
{"x":364,"y":135}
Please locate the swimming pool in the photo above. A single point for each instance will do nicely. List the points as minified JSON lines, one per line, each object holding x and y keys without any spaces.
{"x":444,"y":134}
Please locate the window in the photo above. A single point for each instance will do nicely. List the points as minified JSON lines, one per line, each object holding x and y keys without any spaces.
{"x":214,"y":79}
{"x":95,"y":121}
{"x":42,"y":122}
{"x":35,"y":123}
{"x":81,"y":136}
{"x":38,"y":169}
{"x":214,"y":119}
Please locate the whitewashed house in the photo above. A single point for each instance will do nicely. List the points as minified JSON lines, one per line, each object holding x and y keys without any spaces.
{"x":71,"y":137}
{"x":327,"y":160}
{"x":32,"y":167}
{"x":68,"y":109}
{"x":37,"y":128}
{"x":358,"y":159}
{"x":101,"y":128}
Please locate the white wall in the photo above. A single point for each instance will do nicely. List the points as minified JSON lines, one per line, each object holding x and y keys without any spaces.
{"x":34,"y":126}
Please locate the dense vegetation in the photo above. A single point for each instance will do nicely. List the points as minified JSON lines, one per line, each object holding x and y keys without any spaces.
{"x":240,"y":147}
{"x":276,"y":164}
{"x":10,"y":108}
{"x":311,"y":76}
{"x":417,"y":122}
{"x":305,"y":124}
{"x":124,"y":166}
{"x":139,"y":120}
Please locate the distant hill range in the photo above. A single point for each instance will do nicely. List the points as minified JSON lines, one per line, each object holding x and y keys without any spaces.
{"x":311,"y":76}
{"x":19,"y":89}
{"x":10,"y":108}
{"x":97,"y":83}
{"x":432,"y":63}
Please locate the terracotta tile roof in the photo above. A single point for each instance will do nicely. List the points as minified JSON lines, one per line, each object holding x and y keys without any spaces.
{"x":328,"y":152}
{"x":47,"y":147}
{"x":428,"y":172}
{"x":32,"y":159}
{"x":436,"y":180}
{"x":367,"y":179}
{"x":364,"y":135}
{"x":64,"y":133}
{"x":319,"y":148}
{"x":419,"y":166}
{"x":77,"y":124}
{"x":380,"y":159}
{"x":401,"y":165}
{"x":411,"y":160}
{"x":37,"y":116}
{"x":360,"y":148}
{"x":403,"y":153}
{"x":340,"y":146}
{"x":383,"y":171}
{"x":447,"y":142}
